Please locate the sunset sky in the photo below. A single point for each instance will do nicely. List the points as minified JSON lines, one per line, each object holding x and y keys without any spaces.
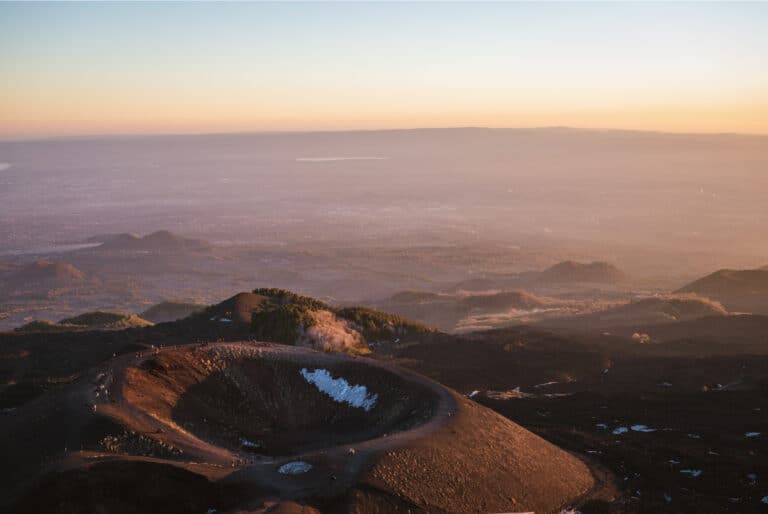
{"x":69,"y":69}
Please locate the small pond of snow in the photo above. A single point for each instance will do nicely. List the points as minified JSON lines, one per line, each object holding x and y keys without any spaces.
{"x":340,"y":390}
{"x":296,"y":467}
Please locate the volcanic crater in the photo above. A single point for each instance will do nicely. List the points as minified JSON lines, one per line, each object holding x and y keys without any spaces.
{"x":277,"y":403}
{"x":246,"y":425}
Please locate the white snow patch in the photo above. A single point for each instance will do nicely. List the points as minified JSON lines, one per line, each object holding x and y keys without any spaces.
{"x":296,"y":467}
{"x":602,"y":426}
{"x":473,"y":394}
{"x":753,"y":434}
{"x":765,"y":499}
{"x":340,"y":390}
{"x":620,"y":430}
{"x":692,"y":472}
{"x":245,"y":443}
{"x":642,"y":428}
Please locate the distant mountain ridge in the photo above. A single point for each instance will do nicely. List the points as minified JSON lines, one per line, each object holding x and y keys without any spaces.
{"x":739,"y":290}
{"x":566,"y":273}
{"x":576,"y":272}
{"x":161,"y":240}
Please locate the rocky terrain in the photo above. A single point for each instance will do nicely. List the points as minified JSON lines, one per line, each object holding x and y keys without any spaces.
{"x":675,"y":423}
{"x":233,"y":426}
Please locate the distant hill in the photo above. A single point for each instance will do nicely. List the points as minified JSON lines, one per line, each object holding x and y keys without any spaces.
{"x":503,"y":301}
{"x":43,"y":279}
{"x":647,"y":311}
{"x":567,"y":274}
{"x":44,"y":326}
{"x":738,"y":290}
{"x":171,"y":311}
{"x":282,"y":316}
{"x":46,"y":273}
{"x":96,"y":320}
{"x":106,"y":320}
{"x":577,"y":272}
{"x":162,"y":240}
{"x":447,"y":311}
{"x":237,"y":309}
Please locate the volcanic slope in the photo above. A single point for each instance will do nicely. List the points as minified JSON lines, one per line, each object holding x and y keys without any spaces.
{"x":738,"y":290}
{"x":446,"y":310}
{"x":235,"y":426}
{"x":655,"y":310}
{"x":44,"y":356}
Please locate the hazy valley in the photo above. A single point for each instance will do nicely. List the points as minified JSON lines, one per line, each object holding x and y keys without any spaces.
{"x":440,"y":303}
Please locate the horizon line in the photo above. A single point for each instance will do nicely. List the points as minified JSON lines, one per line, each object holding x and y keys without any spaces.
{"x":139,"y":135}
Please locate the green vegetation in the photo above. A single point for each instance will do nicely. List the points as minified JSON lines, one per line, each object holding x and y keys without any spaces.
{"x":279,"y":319}
{"x":375,"y":325}
{"x":48,"y":326}
{"x":285,"y":297}
{"x":95,"y":318}
{"x":280,"y":323}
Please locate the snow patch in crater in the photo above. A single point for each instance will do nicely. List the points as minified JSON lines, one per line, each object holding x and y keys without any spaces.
{"x":340,"y":390}
{"x":296,"y":467}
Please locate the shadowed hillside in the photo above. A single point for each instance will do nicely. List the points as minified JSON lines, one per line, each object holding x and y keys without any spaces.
{"x":171,"y":311}
{"x":647,"y":311}
{"x":738,"y":290}
{"x":585,"y":273}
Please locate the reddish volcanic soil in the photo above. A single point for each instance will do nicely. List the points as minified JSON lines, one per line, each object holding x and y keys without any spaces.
{"x":213,"y":426}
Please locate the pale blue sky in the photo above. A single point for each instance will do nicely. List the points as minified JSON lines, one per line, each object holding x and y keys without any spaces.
{"x":178,"y":67}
